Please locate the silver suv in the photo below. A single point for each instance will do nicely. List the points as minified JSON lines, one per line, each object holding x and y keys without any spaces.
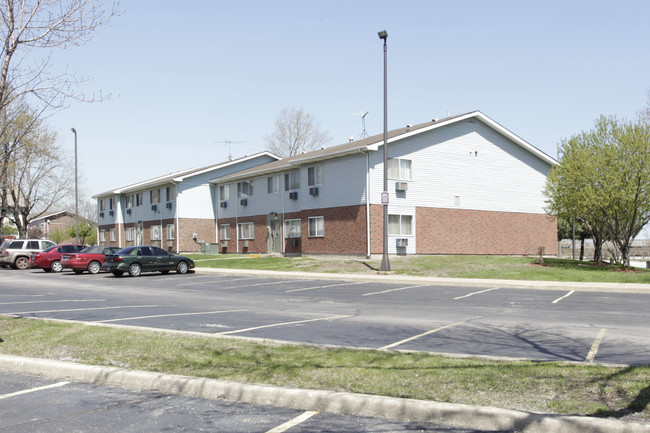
{"x":16,"y":253}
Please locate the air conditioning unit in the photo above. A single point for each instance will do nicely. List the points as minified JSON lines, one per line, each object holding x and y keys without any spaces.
{"x":313,"y":190}
{"x":244,"y":244}
{"x":244,"y":202}
{"x":294,"y":242}
{"x":154,"y":207}
{"x":128,"y":211}
{"x":223,"y":204}
{"x":111,"y":212}
{"x":101,"y":214}
{"x":401,"y":186}
{"x":169,"y":205}
{"x":224,"y":244}
{"x":402,"y":242}
{"x":293,"y":195}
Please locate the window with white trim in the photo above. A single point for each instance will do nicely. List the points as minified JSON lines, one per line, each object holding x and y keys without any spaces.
{"x":170,"y":231}
{"x":315,"y":175}
{"x":316,"y":226}
{"x":110,"y":203}
{"x":224,"y":192}
{"x":246,"y":230}
{"x":224,"y":232}
{"x":130,"y":234}
{"x":245,"y":189}
{"x":273,"y":184}
{"x":101,"y":205}
{"x":400,"y":225}
{"x":138,"y":199}
{"x":292,"y":228}
{"x":102,"y":235}
{"x":399,"y":169}
{"x":154,"y":196}
{"x":112,"y":235}
{"x":169,"y":193}
{"x":129,"y":201}
{"x":292,"y":180}
{"x":155,"y":233}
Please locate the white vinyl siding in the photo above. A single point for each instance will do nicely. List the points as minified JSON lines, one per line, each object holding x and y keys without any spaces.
{"x":400,"y":225}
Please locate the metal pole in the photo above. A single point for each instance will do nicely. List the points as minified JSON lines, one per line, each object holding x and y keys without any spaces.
{"x":76,"y":191}
{"x":385,"y":263}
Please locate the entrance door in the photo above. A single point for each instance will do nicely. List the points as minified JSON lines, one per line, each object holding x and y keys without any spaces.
{"x":274,"y":230}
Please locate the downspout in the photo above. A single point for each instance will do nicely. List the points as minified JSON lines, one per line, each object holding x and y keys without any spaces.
{"x":237,"y":224}
{"x":368,"y":205}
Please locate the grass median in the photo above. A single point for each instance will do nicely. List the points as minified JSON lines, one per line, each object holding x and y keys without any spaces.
{"x":555,"y":387}
{"x":451,"y":266}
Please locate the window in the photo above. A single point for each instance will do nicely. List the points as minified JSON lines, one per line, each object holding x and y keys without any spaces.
{"x":154,"y":196}
{"x":112,"y":235}
{"x":170,"y":231}
{"x":246,"y":231}
{"x":399,"y":169}
{"x":101,"y":205}
{"x":169,"y":193}
{"x":316,"y":226}
{"x":273,"y":184}
{"x":292,"y":229}
{"x":224,"y":192}
{"x":129,"y":201}
{"x":292,"y":180}
{"x":244,"y":189}
{"x":315,"y":175}
{"x":224,"y":232}
{"x":130,"y":234}
{"x":400,"y":225}
{"x":110,"y":203}
{"x":155,"y":233}
{"x":102,"y":235}
{"x":32,"y":245}
{"x":138,"y":199}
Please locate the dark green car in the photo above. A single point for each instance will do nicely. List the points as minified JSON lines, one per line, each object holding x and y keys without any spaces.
{"x":136,"y":260}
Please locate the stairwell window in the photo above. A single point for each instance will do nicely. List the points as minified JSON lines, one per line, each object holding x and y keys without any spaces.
{"x":316,"y":227}
{"x":400,"y":225}
{"x":399,"y":169}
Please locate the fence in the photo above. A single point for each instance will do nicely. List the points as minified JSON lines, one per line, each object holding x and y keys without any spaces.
{"x":640,"y":250}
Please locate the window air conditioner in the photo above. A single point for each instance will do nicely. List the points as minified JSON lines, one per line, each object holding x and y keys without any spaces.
{"x":223,"y":204}
{"x":169,"y":205}
{"x":101,"y":214}
{"x":401,"y":186}
{"x":313,"y":190}
{"x":402,"y":242}
{"x":128,"y":211}
{"x":154,"y":207}
{"x":293,"y":195}
{"x":224,"y":244}
{"x":244,"y":244}
{"x":293,"y":242}
{"x":111,"y":213}
{"x":244,"y":202}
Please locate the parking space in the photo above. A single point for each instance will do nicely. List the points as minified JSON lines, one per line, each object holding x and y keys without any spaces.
{"x":75,"y":407}
{"x":520,"y":323}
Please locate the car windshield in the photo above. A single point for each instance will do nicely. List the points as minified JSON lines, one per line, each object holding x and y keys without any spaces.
{"x":49,"y":249}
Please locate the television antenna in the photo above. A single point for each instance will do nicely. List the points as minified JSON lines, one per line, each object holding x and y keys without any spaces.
{"x":363,"y":115}
{"x":229,"y":144}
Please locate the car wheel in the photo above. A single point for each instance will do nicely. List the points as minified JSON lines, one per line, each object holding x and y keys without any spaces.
{"x":94,"y":267}
{"x":56,"y":266}
{"x":118,"y":273}
{"x":181,"y":268}
{"x":135,"y":270}
{"x":21,"y":263}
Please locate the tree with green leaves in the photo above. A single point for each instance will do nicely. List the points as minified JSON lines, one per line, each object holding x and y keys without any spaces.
{"x":86,"y":232}
{"x":603,"y":180}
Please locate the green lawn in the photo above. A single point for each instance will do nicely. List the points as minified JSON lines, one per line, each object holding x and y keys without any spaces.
{"x":490,"y":267}
{"x":553,"y":387}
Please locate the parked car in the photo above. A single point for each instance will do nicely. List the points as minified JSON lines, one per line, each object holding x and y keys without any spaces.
{"x":16,"y":252}
{"x":50,"y":259}
{"x":138,"y":259}
{"x":89,"y":259}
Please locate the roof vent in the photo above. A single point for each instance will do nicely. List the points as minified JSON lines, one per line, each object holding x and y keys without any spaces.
{"x":408,"y":125}
{"x":351,"y":139}
{"x":435,"y":119}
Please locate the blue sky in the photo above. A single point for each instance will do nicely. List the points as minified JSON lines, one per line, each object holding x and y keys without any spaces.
{"x":185,"y":76}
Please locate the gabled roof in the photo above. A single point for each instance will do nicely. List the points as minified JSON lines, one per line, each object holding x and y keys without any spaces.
{"x":179,"y":176}
{"x":374,"y":143}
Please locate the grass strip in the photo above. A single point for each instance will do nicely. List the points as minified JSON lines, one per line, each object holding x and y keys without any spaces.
{"x":551,"y":387}
{"x":452,"y":266}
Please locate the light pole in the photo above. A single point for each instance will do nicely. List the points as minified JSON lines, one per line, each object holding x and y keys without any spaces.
{"x":385,"y":263}
{"x":76,"y":190}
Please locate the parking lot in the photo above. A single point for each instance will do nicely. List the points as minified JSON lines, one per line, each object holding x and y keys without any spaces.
{"x":503,"y":322}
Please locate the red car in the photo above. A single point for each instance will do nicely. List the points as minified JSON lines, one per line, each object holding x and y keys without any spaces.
{"x":50,"y":259}
{"x":89,"y":259}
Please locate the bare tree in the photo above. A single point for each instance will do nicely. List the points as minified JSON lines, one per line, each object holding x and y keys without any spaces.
{"x":295,"y":132}
{"x":27,"y":28}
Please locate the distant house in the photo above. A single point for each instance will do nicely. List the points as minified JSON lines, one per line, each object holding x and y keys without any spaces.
{"x":174,"y":212}
{"x":45,"y":225}
{"x":460,"y":185}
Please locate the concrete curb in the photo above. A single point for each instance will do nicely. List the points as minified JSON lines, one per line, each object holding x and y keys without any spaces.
{"x":464,"y":282}
{"x":453,"y":415}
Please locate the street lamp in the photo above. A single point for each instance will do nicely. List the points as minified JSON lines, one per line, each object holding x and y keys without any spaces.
{"x":385,"y":264}
{"x":76,"y":190}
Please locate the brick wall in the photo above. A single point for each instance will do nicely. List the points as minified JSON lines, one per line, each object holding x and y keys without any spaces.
{"x":345,"y":231}
{"x":204,"y":228}
{"x":459,"y":231}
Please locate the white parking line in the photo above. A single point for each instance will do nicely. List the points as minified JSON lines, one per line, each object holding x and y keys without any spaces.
{"x":321,"y":287}
{"x":256,"y":284}
{"x":27,"y":391}
{"x":563,"y":297}
{"x":283,"y":324}
{"x":84,"y":309}
{"x":294,"y":422}
{"x":196,"y":283}
{"x":169,"y":315}
{"x":391,"y":290}
{"x":594,"y":347}
{"x":475,"y":293}
{"x":53,"y":301}
{"x":390,"y":346}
